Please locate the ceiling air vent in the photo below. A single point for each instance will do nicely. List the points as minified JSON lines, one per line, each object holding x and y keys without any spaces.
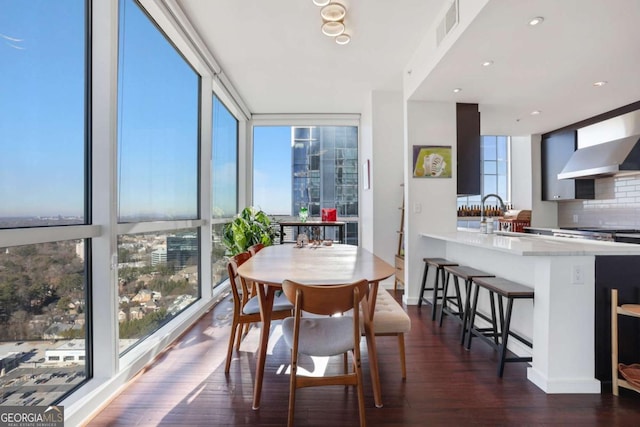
{"x":448,"y":22}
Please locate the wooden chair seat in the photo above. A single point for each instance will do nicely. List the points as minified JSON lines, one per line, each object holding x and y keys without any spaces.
{"x":326,"y":336}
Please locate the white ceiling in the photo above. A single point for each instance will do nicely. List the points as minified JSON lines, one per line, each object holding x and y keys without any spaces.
{"x":279,"y":62}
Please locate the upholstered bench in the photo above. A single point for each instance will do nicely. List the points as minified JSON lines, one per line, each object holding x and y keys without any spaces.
{"x":390,"y":319}
{"x":498,"y":334}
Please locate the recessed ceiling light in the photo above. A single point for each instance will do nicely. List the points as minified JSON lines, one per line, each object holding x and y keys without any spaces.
{"x":321,"y":2}
{"x":536,"y":21}
{"x":535,"y":112}
{"x":600,"y":83}
{"x":487,"y":63}
{"x":456,"y":90}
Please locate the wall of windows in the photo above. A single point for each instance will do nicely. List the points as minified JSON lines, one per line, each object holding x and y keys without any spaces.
{"x":311,"y":166}
{"x":224,"y":183}
{"x":44,"y":281}
{"x":158,"y":173}
{"x":101,"y":226}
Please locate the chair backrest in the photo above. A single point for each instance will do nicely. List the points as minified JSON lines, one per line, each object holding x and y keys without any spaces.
{"x":326,"y":299}
{"x":256,"y":248}
{"x":239,"y":296}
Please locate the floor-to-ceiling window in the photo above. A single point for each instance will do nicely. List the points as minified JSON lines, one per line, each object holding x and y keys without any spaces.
{"x":158,"y":177}
{"x":224,"y":183}
{"x":57,"y":256}
{"x":44,"y":216}
{"x":307,"y":166}
{"x":495,"y":174}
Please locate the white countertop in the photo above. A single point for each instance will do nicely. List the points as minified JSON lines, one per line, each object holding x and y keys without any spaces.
{"x":534,"y":245}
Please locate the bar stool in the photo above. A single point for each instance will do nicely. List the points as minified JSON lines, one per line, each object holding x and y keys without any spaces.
{"x":498,"y":335}
{"x":439,"y":264}
{"x":462,"y":313}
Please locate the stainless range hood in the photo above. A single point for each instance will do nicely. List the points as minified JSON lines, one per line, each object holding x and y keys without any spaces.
{"x":618,"y":157}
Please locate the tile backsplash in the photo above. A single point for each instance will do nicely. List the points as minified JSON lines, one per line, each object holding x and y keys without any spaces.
{"x":617,"y":204}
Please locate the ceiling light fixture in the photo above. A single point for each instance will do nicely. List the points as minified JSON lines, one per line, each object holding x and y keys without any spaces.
{"x":332,"y":29}
{"x":343,"y":38}
{"x":333,"y":15}
{"x":487,"y":63}
{"x":600,"y":83}
{"x":456,"y":90}
{"x":535,"y":112}
{"x":536,"y":21}
{"x":333,"y":12}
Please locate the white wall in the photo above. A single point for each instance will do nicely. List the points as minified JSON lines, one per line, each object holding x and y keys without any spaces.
{"x":367,"y":229}
{"x":387,"y":171}
{"x":521,"y":172}
{"x":526,"y":181}
{"x":431,"y":202}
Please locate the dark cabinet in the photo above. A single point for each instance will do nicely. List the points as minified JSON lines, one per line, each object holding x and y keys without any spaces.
{"x":468,"y":147}
{"x":556,"y":149}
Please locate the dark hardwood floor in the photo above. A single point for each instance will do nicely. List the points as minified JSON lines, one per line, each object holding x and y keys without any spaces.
{"x":446,"y":385}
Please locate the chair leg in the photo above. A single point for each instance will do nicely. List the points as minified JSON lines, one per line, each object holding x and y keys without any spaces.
{"x":505,"y":337}
{"x":445,"y":290}
{"x":424,"y":284}
{"x":403,"y":364}
{"x":472,"y":315}
{"x":239,"y":336}
{"x":358,"y":370}
{"x":435,"y":291}
{"x":467,"y":309}
{"x":292,"y":388}
{"x":232,"y":338}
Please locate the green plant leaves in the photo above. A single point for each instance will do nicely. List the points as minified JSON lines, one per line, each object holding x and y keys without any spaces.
{"x":249,"y":227}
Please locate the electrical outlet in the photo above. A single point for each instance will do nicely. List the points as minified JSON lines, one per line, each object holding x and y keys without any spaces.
{"x":577,"y":276}
{"x":417,"y":207}
{"x":575,"y":218}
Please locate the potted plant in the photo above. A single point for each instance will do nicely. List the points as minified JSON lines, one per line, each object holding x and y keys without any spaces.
{"x":249,"y":227}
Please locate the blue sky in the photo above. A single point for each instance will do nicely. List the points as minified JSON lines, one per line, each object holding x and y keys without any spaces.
{"x":41,"y":108}
{"x":42,"y":95}
{"x":272,"y":169}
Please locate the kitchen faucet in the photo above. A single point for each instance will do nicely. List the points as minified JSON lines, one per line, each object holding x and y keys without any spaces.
{"x":502,"y":206}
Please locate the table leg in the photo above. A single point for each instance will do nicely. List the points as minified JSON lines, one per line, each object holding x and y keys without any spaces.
{"x":371,"y":346}
{"x":266,"y":305}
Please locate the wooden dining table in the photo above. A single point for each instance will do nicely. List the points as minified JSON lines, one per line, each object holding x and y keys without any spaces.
{"x":333,"y":264}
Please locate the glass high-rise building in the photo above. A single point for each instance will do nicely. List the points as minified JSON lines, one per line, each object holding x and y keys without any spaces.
{"x":325,"y":172}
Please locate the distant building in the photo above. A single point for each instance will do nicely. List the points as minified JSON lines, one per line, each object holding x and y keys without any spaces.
{"x":325,"y":173}
{"x":159,"y":256}
{"x":69,"y":352}
{"x":182,"y":250}
{"x":143,"y":296}
{"x":56,"y":330}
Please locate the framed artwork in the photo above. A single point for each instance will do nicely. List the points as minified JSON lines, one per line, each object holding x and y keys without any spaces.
{"x":432,"y":161}
{"x":366,"y":175}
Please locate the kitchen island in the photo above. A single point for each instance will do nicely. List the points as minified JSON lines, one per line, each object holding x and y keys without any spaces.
{"x":561,"y":322}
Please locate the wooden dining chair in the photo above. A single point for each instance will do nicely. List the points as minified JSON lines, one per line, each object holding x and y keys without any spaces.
{"x":325,"y":336}
{"x":254,"y":249}
{"x":246,"y":307}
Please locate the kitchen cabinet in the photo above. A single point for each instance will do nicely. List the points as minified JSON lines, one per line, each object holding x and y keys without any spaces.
{"x":619,"y":272}
{"x":631,"y":310}
{"x":468,"y":147}
{"x":556,"y":149}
